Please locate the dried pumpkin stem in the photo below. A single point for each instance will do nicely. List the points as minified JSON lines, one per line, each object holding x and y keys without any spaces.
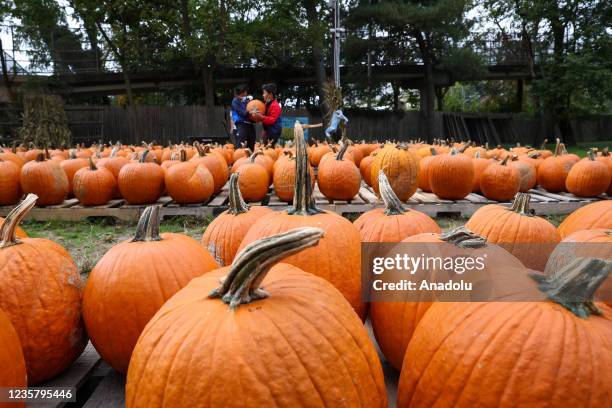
{"x":463,"y":238}
{"x":183,"y":155}
{"x":342,"y":151}
{"x":143,"y":157}
{"x":520,"y":204}
{"x":253,"y":263}
{"x":12,"y":220}
{"x":303,"y":201}
{"x":236,"y":203}
{"x":591,"y":155}
{"x":254,"y":156}
{"x":573,"y":287}
{"x":92,"y":165}
{"x":148,"y":226}
{"x":393,"y":205}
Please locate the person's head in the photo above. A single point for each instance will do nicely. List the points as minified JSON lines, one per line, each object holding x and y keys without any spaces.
{"x":269,"y":92}
{"x":241,"y":90}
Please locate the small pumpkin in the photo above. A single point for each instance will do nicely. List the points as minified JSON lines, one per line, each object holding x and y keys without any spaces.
{"x":214,"y":162}
{"x":188,"y":182}
{"x":141,"y":182}
{"x":114,"y":163}
{"x":500,"y":181}
{"x":13,"y":373}
{"x":317,"y":152}
{"x":133,"y":280}
{"x":480,"y":164}
{"x":424,"y":166}
{"x":40,"y":291}
{"x":268,"y":349}
{"x":451,"y":175}
{"x":71,"y":166}
{"x":284,"y":177}
{"x":553,"y":171}
{"x":401,"y":166}
{"x":531,"y":239}
{"x":46,"y":179}
{"x":339,"y":178}
{"x":591,"y":216}
{"x":93,"y":185}
{"x":254,"y":180}
{"x":8,"y":155}
{"x":365,"y":168}
{"x":588,"y":177}
{"x":10,"y":182}
{"x":528,"y":174}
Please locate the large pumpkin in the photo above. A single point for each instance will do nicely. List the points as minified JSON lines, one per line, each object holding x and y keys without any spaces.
{"x":588,"y":177}
{"x":13,"y":373}
{"x":188,"y":182}
{"x":132,"y":281}
{"x":10,"y":183}
{"x":500,"y":181}
{"x":93,"y":185}
{"x":225,"y":233}
{"x":606,"y":159}
{"x":365,"y":168}
{"x":451,"y":175}
{"x":401,"y":166}
{"x":531,"y":239}
{"x":337,"y":257}
{"x":46,"y":179}
{"x":141,"y":182}
{"x":254,"y":180}
{"x":339,"y":178}
{"x":591,"y":216}
{"x":553,"y":171}
{"x":40,"y":291}
{"x":493,"y":354}
{"x":395,"y":222}
{"x":297,"y":343}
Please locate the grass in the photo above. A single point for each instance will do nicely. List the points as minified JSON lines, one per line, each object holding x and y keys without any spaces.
{"x":581,"y":149}
{"x":87,"y":241}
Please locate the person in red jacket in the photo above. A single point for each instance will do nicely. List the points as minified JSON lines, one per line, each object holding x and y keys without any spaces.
{"x":271,"y":118}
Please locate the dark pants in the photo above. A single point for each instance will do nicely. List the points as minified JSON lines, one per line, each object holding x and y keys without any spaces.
{"x":245,"y":133}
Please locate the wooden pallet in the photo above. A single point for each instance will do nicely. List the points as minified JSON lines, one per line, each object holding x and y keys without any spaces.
{"x":542,"y":202}
{"x":99,"y":386}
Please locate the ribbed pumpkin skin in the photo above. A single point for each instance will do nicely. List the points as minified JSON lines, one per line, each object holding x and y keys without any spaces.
{"x":10,"y":183}
{"x":129,"y":285}
{"x":284,"y":179}
{"x":339,"y":179}
{"x":7,"y":155}
{"x":401,"y":166}
{"x":552,"y":173}
{"x":40,"y":291}
{"x":500,"y":182}
{"x":394,"y":228}
{"x":254,"y":182}
{"x":70,"y":167}
{"x":13,"y":373}
{"x":316,"y":153}
{"x":46,"y":179}
{"x":336,"y":258}
{"x":528,"y":174}
{"x":303,"y":346}
{"x":365,"y":168}
{"x":480,"y":164}
{"x":188,"y":182}
{"x":503,"y":354}
{"x":588,"y":178}
{"x":591,"y":216}
{"x":530,"y":239}
{"x":367,"y":217}
{"x":451,"y":176}
{"x":114,"y":165}
{"x":141,"y":183}
{"x":94,"y":187}
{"x":216,"y":164}
{"x":423,"y":178}
{"x":224,"y":234}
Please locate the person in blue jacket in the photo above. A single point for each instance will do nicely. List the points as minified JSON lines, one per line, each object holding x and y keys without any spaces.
{"x":245,"y":129}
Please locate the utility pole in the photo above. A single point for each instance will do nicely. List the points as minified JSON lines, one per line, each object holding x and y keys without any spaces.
{"x":337,"y":32}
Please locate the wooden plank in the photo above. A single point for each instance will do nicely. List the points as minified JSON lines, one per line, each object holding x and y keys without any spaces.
{"x":164,"y":200}
{"x":110,"y":393}
{"x":221,"y":199}
{"x":319,"y":197}
{"x":542,"y":198}
{"x":75,"y":376}
{"x":476,"y":198}
{"x":557,"y":197}
{"x":66,"y":204}
{"x":368,"y":195}
{"x":430,"y":198}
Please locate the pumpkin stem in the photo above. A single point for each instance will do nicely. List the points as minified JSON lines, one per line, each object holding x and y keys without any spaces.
{"x":148,"y":226}
{"x":253,"y":263}
{"x":433,"y":151}
{"x":591,"y":154}
{"x":342,"y":151}
{"x":463,"y":238}
{"x":573,"y":286}
{"x":40,"y":157}
{"x":543,"y":146}
{"x":12,"y":220}
{"x":254,"y":155}
{"x":605,"y":152}
{"x":92,"y":166}
{"x":236,"y":203}
{"x":143,"y":157}
{"x":393,"y":205}
{"x":505,"y":161}
{"x":454,"y":152}
{"x":303,"y":201}
{"x":183,"y":155}
{"x":520,"y":204}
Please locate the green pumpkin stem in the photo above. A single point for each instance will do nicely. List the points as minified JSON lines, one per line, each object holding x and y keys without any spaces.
{"x":393,"y":205}
{"x":251,"y":265}
{"x":303,"y":201}
{"x":148,"y":226}
{"x":573,"y":286}
{"x":520,"y":204}
{"x":463,"y":238}
{"x":13,"y":219}
{"x":143,"y":157}
{"x":236,"y":203}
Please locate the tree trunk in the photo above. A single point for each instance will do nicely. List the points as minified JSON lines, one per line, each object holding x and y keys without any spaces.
{"x":427,"y":94}
{"x":128,"y":86}
{"x":186,"y":21}
{"x":518,"y":101}
{"x":209,"y":99}
{"x":5,"y":77}
{"x":317,"y":55}
{"x":396,"y":95}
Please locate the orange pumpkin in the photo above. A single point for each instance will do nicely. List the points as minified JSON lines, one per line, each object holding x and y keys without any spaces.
{"x":188,"y":182}
{"x":46,"y":179}
{"x":365,"y":168}
{"x":94,"y":186}
{"x":606,"y":159}
{"x":114,"y":163}
{"x":71,"y":166}
{"x":492,"y":354}
{"x":553,"y":171}
{"x":531,"y":239}
{"x":294,"y":336}
{"x":423,"y":178}
{"x":480,"y":164}
{"x":141,"y":182}
{"x":588,"y":177}
{"x":10,"y":183}
{"x":7,"y":155}
{"x":337,"y":257}
{"x":317,"y":152}
{"x":591,"y":216}
{"x":527,"y":172}
{"x":40,"y":291}
{"x":401,"y":166}
{"x":13,"y":373}
{"x":284,"y":177}
{"x":500,"y":181}
{"x":158,"y":265}
{"x":338,"y":178}
{"x":254,"y":180}
{"x":451,"y":176}
{"x":215,"y":163}
{"x":225,"y":233}
{"x":255,"y":105}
